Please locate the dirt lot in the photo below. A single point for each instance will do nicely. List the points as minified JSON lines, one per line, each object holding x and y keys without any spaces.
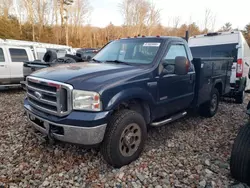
{"x":192,"y":152}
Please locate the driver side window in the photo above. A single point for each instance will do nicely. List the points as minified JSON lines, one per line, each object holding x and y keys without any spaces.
{"x":2,"y":59}
{"x":169,"y":60}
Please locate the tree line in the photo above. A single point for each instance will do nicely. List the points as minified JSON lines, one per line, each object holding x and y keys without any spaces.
{"x":67,"y":22}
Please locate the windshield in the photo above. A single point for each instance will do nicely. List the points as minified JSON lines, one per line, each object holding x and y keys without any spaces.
{"x":223,"y":50}
{"x":132,"y":51}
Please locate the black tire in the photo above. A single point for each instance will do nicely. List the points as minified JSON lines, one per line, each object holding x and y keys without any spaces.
{"x":206,"y":109}
{"x":240,"y":156}
{"x":76,"y":58}
{"x":64,"y":60}
{"x":248,"y":105}
{"x":50,"y":56}
{"x":110,"y":147}
{"x":239,"y":98}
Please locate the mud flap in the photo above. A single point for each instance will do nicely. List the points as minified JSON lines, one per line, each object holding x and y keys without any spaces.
{"x":242,"y":84}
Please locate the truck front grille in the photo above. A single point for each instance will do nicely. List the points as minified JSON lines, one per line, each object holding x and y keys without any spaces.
{"x":49,"y":96}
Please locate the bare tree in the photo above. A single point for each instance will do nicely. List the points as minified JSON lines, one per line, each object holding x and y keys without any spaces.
{"x":126,"y":11}
{"x":31,"y":18}
{"x":55,"y":12}
{"x":207,"y":19}
{"x":64,"y":18}
{"x":78,"y":13}
{"x":141,"y":10}
{"x":5,"y":6}
{"x":176,"y":22}
{"x":19,"y":11}
{"x":41,"y":9}
{"x":213,"y":22}
{"x":153,"y":18}
{"x":139,"y":14}
{"x":226,"y":27}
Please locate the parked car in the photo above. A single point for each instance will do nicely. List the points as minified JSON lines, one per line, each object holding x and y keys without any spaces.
{"x":87,"y":54}
{"x":113,"y":100}
{"x":50,"y":59}
{"x":240,"y":154}
{"x":14,"y":52}
{"x":226,"y":44}
{"x":11,"y":64}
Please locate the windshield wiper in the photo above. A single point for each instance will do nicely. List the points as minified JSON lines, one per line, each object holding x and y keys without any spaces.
{"x":117,"y":61}
{"x":95,"y":60}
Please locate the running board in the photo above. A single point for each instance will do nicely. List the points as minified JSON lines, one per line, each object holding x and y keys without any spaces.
{"x":173,"y":118}
{"x":10,"y":86}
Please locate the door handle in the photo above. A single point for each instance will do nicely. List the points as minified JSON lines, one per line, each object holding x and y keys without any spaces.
{"x":191,"y":78}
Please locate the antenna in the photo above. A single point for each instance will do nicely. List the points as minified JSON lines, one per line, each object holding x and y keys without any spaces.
{"x":187,"y":35}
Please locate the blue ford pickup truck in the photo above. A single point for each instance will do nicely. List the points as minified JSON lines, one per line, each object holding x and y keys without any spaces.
{"x":129,"y":85}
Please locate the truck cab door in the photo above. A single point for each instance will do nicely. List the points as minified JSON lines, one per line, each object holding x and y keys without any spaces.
{"x":176,"y":92}
{"x":17,"y":55}
{"x":4,"y":68}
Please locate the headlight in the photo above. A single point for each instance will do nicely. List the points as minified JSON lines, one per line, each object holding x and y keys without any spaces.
{"x":86,"y":100}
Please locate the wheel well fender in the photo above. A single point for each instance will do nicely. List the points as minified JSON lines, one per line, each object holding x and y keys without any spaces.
{"x":136,"y":99}
{"x":218,"y":84}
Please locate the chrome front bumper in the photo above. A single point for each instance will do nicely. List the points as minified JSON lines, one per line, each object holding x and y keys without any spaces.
{"x":68,"y":133}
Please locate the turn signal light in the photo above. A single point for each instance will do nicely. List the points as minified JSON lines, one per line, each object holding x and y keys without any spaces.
{"x":239,"y":71}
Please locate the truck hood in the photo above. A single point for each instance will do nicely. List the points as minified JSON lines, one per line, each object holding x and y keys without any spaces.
{"x":90,"y":76}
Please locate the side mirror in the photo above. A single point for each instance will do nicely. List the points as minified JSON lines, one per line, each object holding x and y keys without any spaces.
{"x":181,"y":66}
{"x":238,"y":46}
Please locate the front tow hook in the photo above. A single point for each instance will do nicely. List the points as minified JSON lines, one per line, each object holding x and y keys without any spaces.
{"x":50,"y":138}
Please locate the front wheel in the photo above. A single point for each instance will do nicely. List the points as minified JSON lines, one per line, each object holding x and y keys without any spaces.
{"x":124,"y":138}
{"x":210,"y":108}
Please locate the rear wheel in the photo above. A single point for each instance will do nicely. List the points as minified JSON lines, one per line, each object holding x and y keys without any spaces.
{"x":50,"y":56}
{"x":239,"y":98}
{"x":75,"y":57}
{"x":64,"y":60}
{"x":124,"y":138}
{"x":240,"y":156}
{"x":210,"y":108}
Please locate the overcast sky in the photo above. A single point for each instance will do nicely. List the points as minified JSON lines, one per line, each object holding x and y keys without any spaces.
{"x":237,"y":12}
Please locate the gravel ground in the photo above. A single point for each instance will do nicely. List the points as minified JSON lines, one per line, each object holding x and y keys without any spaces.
{"x":192,"y":152}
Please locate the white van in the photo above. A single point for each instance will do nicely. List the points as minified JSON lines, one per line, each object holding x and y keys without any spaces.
{"x":11,"y":64}
{"x":226,"y":44}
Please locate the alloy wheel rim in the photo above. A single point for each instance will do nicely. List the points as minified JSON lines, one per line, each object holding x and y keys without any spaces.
{"x":130,"y":140}
{"x":214,"y":102}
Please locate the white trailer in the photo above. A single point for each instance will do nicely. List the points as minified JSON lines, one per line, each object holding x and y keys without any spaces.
{"x":226,"y":44}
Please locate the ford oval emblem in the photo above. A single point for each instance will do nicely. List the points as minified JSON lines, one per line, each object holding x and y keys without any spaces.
{"x":38,"y":95}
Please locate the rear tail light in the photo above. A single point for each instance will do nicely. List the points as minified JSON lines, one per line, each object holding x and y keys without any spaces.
{"x":239,"y":70}
{"x":187,"y":65}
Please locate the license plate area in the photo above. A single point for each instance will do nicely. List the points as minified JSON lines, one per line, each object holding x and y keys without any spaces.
{"x":49,"y":128}
{"x":37,"y":121}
